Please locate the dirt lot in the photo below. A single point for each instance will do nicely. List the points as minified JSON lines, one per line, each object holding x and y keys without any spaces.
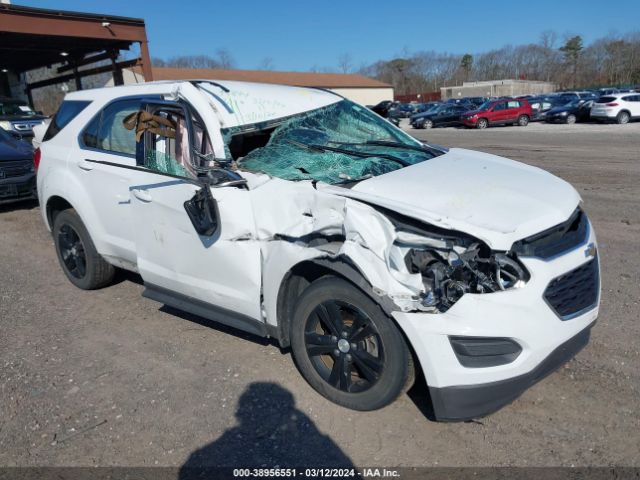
{"x":111,"y":378}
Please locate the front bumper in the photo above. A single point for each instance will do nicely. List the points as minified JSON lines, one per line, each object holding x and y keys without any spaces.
{"x":521,"y":315}
{"x":556,"y":118}
{"x":464,"y":402}
{"x":469,"y":121}
{"x":18,"y":188}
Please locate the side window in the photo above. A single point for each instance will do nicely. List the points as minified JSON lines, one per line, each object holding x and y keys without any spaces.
{"x":499,"y":106}
{"x":173,"y":143}
{"x":107,"y":131}
{"x":513,"y":104}
{"x":67,"y":112}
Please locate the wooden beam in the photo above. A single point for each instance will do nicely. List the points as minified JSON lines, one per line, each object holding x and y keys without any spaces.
{"x":145,"y":59}
{"x":88,"y":60}
{"x":19,"y":22}
{"x":81,"y":74}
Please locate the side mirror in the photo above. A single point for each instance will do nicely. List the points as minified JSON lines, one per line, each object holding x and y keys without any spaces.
{"x":202,"y":210}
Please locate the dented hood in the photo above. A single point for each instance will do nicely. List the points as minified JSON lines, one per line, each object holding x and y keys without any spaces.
{"x":492,"y":198}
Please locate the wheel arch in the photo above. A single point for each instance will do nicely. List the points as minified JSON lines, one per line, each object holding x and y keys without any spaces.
{"x":61,"y":190}
{"x":303,"y":274}
{"x":55,"y":205}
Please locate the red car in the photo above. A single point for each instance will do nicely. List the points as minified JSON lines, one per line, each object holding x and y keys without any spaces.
{"x":513,"y":111}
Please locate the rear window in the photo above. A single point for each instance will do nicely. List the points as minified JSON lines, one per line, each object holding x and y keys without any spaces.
{"x":67,"y":112}
{"x":605,"y":99}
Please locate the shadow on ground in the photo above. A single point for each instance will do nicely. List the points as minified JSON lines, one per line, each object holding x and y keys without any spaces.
{"x":270,"y":433}
{"x":18,"y":205}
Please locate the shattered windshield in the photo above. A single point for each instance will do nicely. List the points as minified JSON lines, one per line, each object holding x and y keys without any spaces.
{"x":338,"y":143}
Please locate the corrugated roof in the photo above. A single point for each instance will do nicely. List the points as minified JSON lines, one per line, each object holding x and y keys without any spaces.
{"x":299,"y":79}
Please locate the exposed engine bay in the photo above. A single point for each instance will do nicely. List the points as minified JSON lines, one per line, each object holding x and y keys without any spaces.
{"x":452,"y":265}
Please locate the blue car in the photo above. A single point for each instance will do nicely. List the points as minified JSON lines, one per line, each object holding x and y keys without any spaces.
{"x":17,"y":172}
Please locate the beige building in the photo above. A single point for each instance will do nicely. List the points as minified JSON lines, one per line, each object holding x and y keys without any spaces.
{"x":498,"y":88}
{"x":360,"y":89}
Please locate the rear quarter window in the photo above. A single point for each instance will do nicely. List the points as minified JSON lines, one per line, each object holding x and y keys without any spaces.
{"x":67,"y":112}
{"x":605,"y":99}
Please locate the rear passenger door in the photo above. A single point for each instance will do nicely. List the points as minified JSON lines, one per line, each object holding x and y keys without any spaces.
{"x":512,"y":111}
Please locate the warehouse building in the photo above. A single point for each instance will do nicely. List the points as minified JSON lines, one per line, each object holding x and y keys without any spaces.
{"x":498,"y":88}
{"x":360,"y":89}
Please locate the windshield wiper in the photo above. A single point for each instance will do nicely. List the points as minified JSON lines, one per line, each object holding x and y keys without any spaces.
{"x":385,"y":143}
{"x":324,"y":148}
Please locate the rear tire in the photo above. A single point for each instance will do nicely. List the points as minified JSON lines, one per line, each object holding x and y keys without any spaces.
{"x":622,"y":118}
{"x":427,"y":124}
{"x":523,"y":120}
{"x":571,"y":119}
{"x":78,"y":257}
{"x":346,"y":347}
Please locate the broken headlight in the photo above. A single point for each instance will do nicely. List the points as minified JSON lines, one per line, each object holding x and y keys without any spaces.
{"x":452,"y":266}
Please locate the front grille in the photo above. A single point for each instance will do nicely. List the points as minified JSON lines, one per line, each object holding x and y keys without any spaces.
{"x":561,"y":238}
{"x":575,"y":291}
{"x":15,"y":168}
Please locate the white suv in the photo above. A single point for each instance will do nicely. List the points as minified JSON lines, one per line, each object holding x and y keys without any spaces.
{"x":297,"y":214}
{"x":618,"y":107}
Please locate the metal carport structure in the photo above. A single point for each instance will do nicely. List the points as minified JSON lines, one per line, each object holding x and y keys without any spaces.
{"x":32,"y":38}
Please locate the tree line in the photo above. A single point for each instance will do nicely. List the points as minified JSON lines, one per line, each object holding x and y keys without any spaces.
{"x":611,"y":60}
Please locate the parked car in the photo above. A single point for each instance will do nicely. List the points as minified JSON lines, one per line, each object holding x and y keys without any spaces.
{"x":423,"y":107}
{"x":17,"y":173}
{"x":402,"y":110}
{"x":383,"y":107}
{"x":607,"y":91}
{"x":428,"y":107}
{"x":621,"y":108}
{"x":18,"y":118}
{"x":319,"y":224}
{"x":443,"y":115}
{"x":562,"y":98}
{"x":540,"y":106}
{"x":477,"y":101}
{"x":576,"y":111}
{"x":499,"y":112}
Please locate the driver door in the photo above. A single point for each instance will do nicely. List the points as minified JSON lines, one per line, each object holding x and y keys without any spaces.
{"x":188,"y":234}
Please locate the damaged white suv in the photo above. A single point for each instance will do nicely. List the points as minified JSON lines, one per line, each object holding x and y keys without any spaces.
{"x":296,"y":214}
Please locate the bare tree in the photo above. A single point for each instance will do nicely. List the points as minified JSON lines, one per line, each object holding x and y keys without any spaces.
{"x":345,"y":63}
{"x":266,"y":64}
{"x":225,"y":59}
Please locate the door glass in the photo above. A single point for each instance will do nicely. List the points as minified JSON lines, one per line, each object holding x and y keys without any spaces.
{"x":107,"y":131}
{"x":171,"y":144}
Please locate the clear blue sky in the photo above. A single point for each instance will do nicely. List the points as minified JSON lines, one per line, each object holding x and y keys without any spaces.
{"x":299,"y":34}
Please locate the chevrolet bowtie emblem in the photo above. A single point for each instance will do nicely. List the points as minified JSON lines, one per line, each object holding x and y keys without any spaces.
{"x":591,"y":250}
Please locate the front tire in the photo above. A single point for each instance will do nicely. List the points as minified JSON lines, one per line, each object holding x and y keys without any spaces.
{"x":571,"y":119}
{"x":78,"y":257}
{"x":427,"y":124}
{"x":482,"y":123}
{"x":346,"y":347}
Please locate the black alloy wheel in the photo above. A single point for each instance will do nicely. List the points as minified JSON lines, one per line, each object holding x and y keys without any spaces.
{"x":344,"y":346}
{"x":347,"y":348}
{"x":72,"y":251}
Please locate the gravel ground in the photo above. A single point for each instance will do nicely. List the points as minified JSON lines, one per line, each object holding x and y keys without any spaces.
{"x":111,"y":378}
